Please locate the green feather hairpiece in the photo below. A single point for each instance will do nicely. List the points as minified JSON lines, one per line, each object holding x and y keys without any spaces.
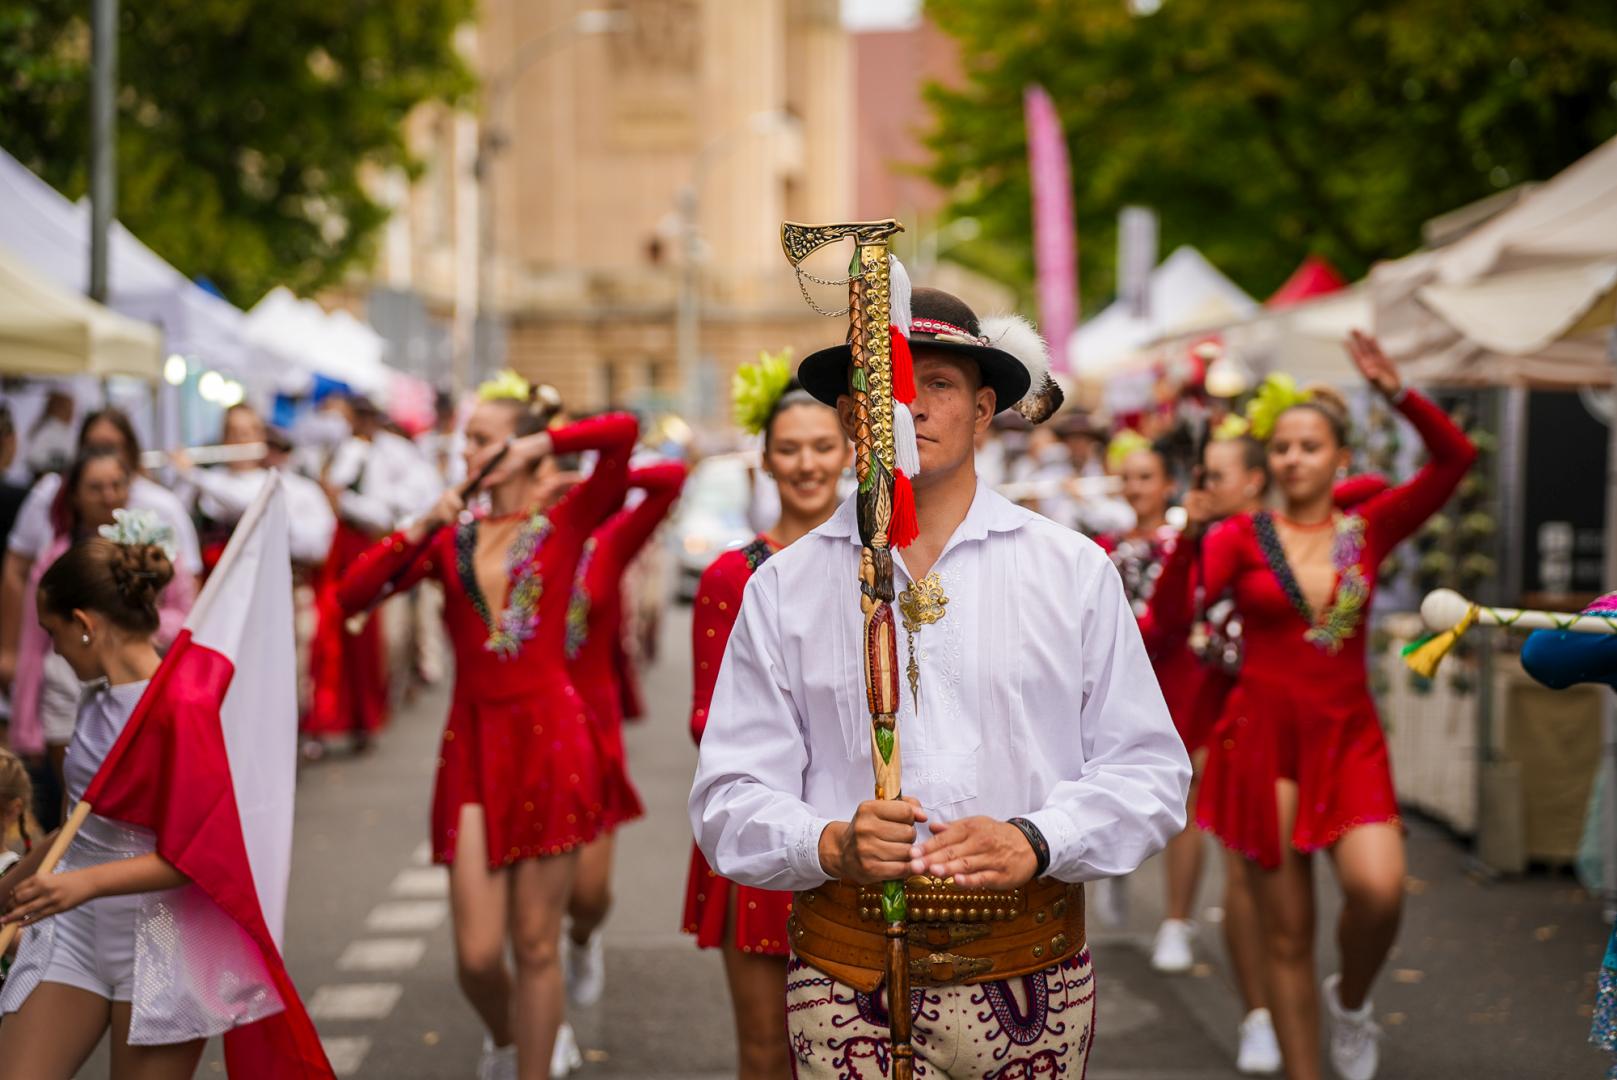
{"x":757,"y":387}
{"x":1278,"y":393}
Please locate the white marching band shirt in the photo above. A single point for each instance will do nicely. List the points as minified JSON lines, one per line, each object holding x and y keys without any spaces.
{"x":1037,"y":700}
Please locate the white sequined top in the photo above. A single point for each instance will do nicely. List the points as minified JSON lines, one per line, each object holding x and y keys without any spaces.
{"x":196,"y":972}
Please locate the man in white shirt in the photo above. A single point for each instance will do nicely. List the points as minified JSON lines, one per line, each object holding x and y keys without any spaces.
{"x":1039,"y":755}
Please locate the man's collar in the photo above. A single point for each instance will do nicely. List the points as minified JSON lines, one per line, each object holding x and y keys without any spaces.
{"x":990,"y":512}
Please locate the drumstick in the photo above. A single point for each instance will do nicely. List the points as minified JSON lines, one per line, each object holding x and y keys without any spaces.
{"x":1449,"y":615}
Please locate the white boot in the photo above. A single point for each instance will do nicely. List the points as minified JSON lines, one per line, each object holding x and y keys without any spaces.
{"x":497,"y":1062}
{"x":1172,"y":954}
{"x":1355,"y":1036}
{"x":1260,"y":1050}
{"x":566,"y":1056}
{"x":585,"y":969}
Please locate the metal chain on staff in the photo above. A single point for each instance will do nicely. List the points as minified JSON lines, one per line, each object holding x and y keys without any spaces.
{"x":808,"y":297}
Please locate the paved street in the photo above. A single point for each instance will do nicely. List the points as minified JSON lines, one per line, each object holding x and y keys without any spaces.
{"x":1489,"y":981}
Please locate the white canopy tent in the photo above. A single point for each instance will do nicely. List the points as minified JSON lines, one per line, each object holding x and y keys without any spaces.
{"x":49,"y":330}
{"x":307,"y":341}
{"x":1185,"y":292}
{"x":51,"y":234}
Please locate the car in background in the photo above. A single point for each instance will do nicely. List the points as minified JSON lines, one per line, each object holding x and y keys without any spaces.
{"x":713,"y":517}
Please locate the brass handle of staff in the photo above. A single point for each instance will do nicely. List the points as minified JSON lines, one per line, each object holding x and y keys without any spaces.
{"x":799,"y":241}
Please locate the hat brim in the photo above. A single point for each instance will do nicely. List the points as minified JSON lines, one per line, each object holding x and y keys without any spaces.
{"x":824,"y":374}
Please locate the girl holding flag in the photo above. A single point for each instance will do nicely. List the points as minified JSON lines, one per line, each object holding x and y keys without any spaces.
{"x":520,"y":786}
{"x":96,"y":927}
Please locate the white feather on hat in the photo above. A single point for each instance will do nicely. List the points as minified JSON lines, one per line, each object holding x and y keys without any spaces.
{"x":1015,"y":335}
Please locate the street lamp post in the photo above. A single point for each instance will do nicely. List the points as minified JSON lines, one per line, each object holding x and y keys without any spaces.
{"x":104,"y":139}
{"x":491,"y":140}
{"x":688,"y":313}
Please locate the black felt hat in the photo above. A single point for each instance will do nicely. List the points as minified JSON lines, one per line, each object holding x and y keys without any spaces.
{"x":1013,"y":359}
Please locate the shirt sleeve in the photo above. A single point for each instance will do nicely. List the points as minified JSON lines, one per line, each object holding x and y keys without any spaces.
{"x":312,"y":522}
{"x":32,"y":532}
{"x":1128,"y":800}
{"x":746,"y":805}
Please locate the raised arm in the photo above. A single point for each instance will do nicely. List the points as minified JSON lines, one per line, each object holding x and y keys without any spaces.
{"x":393,"y":564}
{"x":631,"y":528}
{"x":612,"y":436}
{"x":1393,"y":515}
{"x":1129,"y":798}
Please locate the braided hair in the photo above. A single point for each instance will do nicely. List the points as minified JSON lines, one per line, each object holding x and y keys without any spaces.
{"x":16,"y":785}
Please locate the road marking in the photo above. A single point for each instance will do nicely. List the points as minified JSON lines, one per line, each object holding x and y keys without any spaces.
{"x":382,"y":954}
{"x":345,"y":1052}
{"x":406,"y":916}
{"x":355,"y":1001}
{"x":422,"y":881}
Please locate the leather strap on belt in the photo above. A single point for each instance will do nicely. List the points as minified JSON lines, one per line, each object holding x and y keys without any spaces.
{"x":955,"y":935}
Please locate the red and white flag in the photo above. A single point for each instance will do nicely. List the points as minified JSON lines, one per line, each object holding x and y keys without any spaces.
{"x":208,"y":762}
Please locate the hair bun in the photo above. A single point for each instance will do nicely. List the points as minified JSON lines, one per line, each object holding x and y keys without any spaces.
{"x":140,"y":572}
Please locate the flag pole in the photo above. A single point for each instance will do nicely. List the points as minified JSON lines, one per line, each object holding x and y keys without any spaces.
{"x":64,"y":837}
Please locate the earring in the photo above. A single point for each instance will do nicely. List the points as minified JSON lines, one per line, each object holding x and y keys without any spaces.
{"x":1251,"y":491}
{"x":1341,"y":473}
{"x":85,"y":638}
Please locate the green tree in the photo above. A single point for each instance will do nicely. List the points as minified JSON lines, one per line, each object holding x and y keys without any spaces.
{"x":245,"y":130}
{"x":1264,"y":130}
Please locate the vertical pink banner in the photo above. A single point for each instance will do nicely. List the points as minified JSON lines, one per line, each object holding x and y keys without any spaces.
{"x":1055,"y":232}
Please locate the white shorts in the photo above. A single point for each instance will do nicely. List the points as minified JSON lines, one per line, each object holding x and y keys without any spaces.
{"x":95,"y":947}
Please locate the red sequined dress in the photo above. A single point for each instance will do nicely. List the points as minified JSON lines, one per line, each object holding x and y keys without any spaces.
{"x":760,"y":914}
{"x":1301,"y":708}
{"x":520,"y":740}
{"x":595,"y":653}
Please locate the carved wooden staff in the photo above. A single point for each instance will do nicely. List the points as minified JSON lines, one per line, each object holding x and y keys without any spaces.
{"x":871,"y":384}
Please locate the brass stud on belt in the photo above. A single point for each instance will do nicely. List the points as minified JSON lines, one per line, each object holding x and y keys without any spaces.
{"x":959,"y":914}
{"x":1038,"y":951}
{"x":1040,"y":916}
{"x":1060,"y":908}
{"x":999,"y":913}
{"x":1059,"y":943}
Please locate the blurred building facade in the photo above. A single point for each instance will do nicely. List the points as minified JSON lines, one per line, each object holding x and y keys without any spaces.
{"x":629,"y":167}
{"x":612,"y":206}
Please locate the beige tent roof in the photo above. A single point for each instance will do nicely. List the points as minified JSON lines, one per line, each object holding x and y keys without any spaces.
{"x":47,"y":330}
{"x":1525,"y":298}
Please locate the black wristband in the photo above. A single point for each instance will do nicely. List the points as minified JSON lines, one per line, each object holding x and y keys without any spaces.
{"x":1036,"y":841}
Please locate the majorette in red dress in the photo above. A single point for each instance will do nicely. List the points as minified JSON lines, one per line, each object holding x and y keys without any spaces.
{"x":1180,"y":674}
{"x":1301,"y":707}
{"x":595,"y":653}
{"x":760,"y":914}
{"x":348,"y":670}
{"x":520,"y":739}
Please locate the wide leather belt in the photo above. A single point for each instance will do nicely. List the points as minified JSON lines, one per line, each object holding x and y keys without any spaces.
{"x":955,"y":935}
